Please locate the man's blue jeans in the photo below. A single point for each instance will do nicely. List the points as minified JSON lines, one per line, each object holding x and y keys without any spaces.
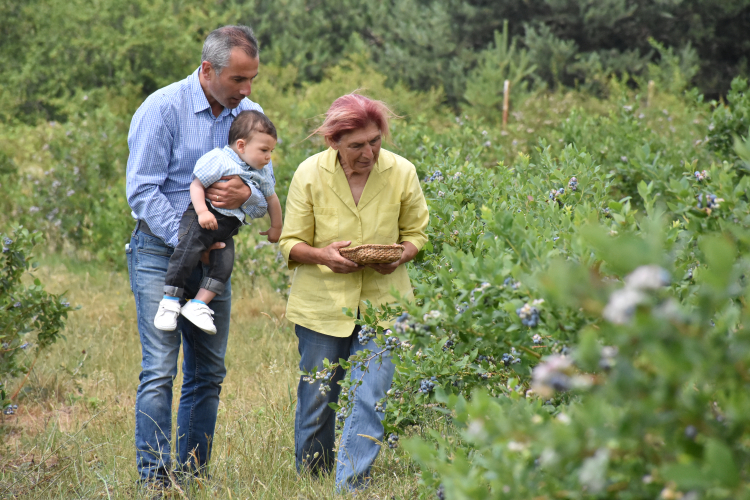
{"x":203,"y":368}
{"x":315,"y":422}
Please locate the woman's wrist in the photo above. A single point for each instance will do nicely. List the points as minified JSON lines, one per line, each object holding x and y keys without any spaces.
{"x":306,"y":254}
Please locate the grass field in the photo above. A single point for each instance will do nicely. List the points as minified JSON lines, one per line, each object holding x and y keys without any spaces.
{"x":72,"y":436}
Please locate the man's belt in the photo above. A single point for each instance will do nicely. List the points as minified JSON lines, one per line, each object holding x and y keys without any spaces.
{"x":143,"y":227}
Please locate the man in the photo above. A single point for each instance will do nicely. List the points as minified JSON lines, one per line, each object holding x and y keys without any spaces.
{"x":171,"y":130}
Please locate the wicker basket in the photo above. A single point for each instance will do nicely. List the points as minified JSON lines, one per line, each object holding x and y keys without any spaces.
{"x":373,"y":254}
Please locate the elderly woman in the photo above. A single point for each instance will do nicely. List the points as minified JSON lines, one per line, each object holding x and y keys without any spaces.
{"x":354,"y":193}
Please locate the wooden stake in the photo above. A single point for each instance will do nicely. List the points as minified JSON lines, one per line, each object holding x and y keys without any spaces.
{"x":506,"y":102}
{"x":651,"y":89}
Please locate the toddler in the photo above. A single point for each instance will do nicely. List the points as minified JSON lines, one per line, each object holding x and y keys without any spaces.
{"x":252,"y":139}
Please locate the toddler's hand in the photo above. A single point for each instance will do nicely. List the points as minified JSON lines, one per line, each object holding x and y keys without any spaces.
{"x":208,"y":221}
{"x":273,"y":233}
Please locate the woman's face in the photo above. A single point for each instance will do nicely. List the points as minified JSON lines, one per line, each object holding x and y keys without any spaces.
{"x":359,"y":149}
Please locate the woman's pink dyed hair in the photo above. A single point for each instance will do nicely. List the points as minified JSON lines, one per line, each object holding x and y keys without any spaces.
{"x":351,"y":112}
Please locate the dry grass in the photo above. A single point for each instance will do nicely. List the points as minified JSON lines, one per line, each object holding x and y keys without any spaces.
{"x":73,"y":434}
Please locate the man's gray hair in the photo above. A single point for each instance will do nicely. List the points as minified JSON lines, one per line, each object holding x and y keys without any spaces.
{"x":220,"y":42}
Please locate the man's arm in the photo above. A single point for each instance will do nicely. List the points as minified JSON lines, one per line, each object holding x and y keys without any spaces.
{"x":150,"y":143}
{"x":234,"y":192}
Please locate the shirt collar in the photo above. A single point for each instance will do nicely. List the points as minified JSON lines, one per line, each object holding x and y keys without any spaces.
{"x":235,"y":157}
{"x":200,"y":102}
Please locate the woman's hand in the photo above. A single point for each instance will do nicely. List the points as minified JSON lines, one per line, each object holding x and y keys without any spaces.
{"x":386,"y":269}
{"x":410,"y":251}
{"x":230,"y":194}
{"x":327,"y":256}
{"x":332,"y":258}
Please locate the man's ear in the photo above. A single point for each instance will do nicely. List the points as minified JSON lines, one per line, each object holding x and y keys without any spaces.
{"x":207,"y":70}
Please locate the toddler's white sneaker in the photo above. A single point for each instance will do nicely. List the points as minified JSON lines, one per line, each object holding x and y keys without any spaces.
{"x":166,"y":316}
{"x":200,"y":315}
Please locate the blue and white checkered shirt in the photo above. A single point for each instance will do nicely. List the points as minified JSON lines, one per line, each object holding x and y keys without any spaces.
{"x":217,"y":163}
{"x":169,"y":132}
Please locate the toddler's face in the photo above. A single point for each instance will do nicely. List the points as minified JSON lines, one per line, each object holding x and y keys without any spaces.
{"x":257,"y":151}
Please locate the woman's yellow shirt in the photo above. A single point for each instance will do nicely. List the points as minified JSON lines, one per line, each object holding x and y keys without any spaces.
{"x":320,"y":209}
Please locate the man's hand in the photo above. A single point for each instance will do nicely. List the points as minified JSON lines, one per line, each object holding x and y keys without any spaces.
{"x":215,"y":246}
{"x":230,"y":194}
{"x":273,"y":233}
{"x":332,"y":258}
{"x":207,"y":220}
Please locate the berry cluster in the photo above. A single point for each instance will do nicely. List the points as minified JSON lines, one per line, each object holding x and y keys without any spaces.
{"x":556,"y":194}
{"x":573,"y":184}
{"x":701,"y":176}
{"x":478,"y":290}
{"x":606,"y":213}
{"x":529,"y":315}
{"x":462,"y":307}
{"x":482,"y":358}
{"x":536,"y":338}
{"x":10,"y":409}
{"x":393,"y":440}
{"x":711,"y":202}
{"x":448,"y":345}
{"x":340,"y":418}
{"x":485,"y":375}
{"x":366,"y":334}
{"x":403,"y":325}
{"x":379,"y":406}
{"x":607,"y":361}
{"x":509,"y":281}
{"x":436,"y":176}
{"x":391,"y":342}
{"x":440,"y":493}
{"x":510,"y":359}
{"x":431,"y":315}
{"x":427,"y":386}
{"x":325,"y":380}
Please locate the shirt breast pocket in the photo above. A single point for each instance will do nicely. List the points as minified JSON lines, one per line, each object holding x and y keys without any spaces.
{"x":387,"y":228}
{"x":326,"y":226}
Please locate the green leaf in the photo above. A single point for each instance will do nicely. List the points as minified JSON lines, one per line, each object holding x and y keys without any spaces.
{"x":720,"y":253}
{"x":720,"y":464}
{"x":686,"y":476}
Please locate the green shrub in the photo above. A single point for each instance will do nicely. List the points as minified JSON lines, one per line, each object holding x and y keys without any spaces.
{"x":731,"y":120}
{"x":30,"y":317}
{"x":521,"y":264}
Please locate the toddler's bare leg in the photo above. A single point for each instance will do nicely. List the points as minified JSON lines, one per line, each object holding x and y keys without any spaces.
{"x":205,"y":296}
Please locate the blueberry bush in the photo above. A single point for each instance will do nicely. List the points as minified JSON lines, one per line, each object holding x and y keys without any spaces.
{"x":580,"y":322}
{"x":30,"y":318}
